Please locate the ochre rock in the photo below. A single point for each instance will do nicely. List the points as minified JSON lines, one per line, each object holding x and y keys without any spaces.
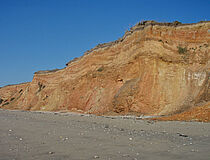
{"x":154,"y":69}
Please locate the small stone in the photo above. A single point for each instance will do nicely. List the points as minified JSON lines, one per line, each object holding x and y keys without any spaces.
{"x":10,"y":130}
{"x":106,"y":126}
{"x":66,"y":138}
{"x":96,"y":156}
{"x":130,"y":139}
{"x":51,"y":152}
{"x":81,"y":134}
{"x":121,"y":129}
{"x":125,"y":155}
{"x":182,"y":135}
{"x":20,"y":139}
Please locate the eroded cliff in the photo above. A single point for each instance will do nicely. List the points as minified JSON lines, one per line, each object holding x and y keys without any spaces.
{"x":154,"y":69}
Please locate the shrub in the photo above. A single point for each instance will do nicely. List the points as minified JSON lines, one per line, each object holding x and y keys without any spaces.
{"x":100,"y":69}
{"x":5,"y":104}
{"x":182,"y":50}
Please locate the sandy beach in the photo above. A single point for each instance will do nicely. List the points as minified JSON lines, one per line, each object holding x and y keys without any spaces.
{"x":69,"y":136}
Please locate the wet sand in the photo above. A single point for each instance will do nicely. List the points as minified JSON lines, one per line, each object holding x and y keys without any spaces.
{"x":68,"y":136}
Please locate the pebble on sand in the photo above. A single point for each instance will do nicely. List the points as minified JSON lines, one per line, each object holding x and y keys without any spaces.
{"x":96,"y":156}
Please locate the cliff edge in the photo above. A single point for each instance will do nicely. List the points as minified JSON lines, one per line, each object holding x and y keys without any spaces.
{"x":155,"y":69}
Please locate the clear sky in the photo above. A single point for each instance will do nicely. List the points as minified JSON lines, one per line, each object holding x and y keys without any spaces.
{"x":46,"y":34}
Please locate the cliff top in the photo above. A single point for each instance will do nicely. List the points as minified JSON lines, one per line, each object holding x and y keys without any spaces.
{"x":138,"y":26}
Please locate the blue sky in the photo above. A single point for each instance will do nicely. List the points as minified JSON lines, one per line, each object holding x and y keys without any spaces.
{"x":45,"y":34}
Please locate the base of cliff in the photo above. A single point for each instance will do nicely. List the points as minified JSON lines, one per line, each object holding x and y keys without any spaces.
{"x":198,"y":114}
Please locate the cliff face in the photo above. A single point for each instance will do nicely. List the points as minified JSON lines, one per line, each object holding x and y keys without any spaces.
{"x":155,"y":69}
